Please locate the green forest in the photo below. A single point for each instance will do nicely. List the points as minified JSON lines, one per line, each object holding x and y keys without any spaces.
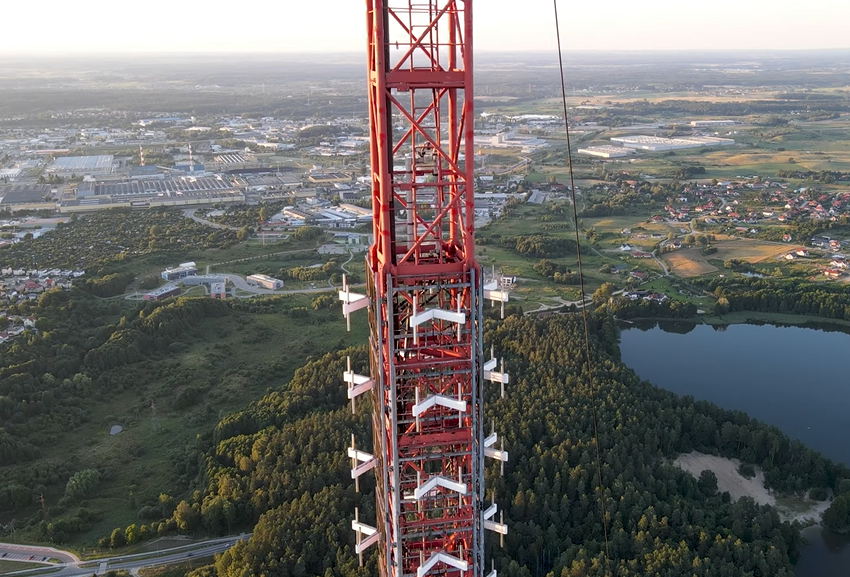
{"x":108,"y":238}
{"x":279,"y":466}
{"x":181,"y":375}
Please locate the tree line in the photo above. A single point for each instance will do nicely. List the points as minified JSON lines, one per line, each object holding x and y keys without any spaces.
{"x":780,"y":296}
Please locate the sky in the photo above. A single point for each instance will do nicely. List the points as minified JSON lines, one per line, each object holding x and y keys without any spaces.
{"x":79,"y":26}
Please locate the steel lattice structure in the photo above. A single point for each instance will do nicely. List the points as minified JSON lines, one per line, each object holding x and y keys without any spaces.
{"x":425,"y":293}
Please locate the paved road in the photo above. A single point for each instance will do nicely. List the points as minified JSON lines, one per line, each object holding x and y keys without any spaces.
{"x":561,"y":302}
{"x":190,"y":213}
{"x":71,"y":566}
{"x":33,"y":554}
{"x":350,"y":257}
{"x":661,"y":263}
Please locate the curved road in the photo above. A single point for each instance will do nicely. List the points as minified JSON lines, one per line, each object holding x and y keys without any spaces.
{"x":350,"y":257}
{"x":190,"y":213}
{"x":69,"y":565}
{"x":661,"y":264}
{"x":33,"y":554}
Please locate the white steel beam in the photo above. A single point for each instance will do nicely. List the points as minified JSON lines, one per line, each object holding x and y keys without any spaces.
{"x":371,"y":533}
{"x":351,"y":302}
{"x":444,"y":558}
{"x":439,"y":481}
{"x":366,"y":462}
{"x":492,"y":292}
{"x":495,"y":376}
{"x":431,"y":314}
{"x":489,"y":451}
{"x":435,"y":400}
{"x":359,"y":384}
{"x":362,"y":528}
{"x":499,"y":455}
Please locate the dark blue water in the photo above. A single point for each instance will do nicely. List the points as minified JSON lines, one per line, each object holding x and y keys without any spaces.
{"x":791,"y":377}
{"x":794,"y":378}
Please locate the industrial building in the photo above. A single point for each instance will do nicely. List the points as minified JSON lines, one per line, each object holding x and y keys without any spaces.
{"x":298,"y":214}
{"x":335,"y":219}
{"x":145,"y":172}
{"x":271,"y":181}
{"x":217,"y":290}
{"x":190,"y":168}
{"x":105,"y":202}
{"x":152,"y":192}
{"x":163,"y":292}
{"x":328,"y":177}
{"x":10,"y":173}
{"x":156,"y":187}
{"x":606,"y":151}
{"x":511,"y":140}
{"x":195,"y":280}
{"x":81,"y":165}
{"x":265,"y":281}
{"x":179,"y":272}
{"x":358,"y":210}
{"x":713,"y":122}
{"x":20,"y":196}
{"x":658,"y":144}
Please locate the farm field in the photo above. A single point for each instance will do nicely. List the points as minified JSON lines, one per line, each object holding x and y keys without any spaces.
{"x":690,"y":262}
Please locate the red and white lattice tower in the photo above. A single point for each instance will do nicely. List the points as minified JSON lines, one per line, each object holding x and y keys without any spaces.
{"x":425,"y":295}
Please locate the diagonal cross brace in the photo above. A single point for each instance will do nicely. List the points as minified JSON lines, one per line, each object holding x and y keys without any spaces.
{"x":366,"y":462}
{"x":358,"y":384}
{"x":495,"y":376}
{"x":444,"y":558}
{"x":492,"y":293}
{"x":438,"y":481}
{"x":431,"y":314}
{"x":489,"y":451}
{"x":440,"y":400}
{"x":371,"y":533}
{"x":351,"y":302}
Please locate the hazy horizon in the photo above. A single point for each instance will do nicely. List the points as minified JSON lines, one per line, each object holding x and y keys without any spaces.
{"x":488,"y":51}
{"x":663,"y":25}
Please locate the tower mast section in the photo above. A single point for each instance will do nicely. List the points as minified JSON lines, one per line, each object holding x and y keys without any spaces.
{"x":424,"y":297}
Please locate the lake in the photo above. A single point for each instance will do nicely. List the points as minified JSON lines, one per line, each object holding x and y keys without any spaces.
{"x":791,"y":377}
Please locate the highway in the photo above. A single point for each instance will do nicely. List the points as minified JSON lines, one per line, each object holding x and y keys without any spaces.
{"x":65,"y":564}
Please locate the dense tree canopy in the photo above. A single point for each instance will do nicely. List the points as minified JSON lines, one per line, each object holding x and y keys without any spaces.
{"x":280,"y":463}
{"x":781,"y":296}
{"x":109,"y":236}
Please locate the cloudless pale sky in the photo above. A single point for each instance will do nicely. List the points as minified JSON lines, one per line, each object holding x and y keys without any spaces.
{"x":339,"y":25}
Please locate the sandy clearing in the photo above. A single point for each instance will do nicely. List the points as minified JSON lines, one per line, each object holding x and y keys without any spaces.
{"x":728,"y":479}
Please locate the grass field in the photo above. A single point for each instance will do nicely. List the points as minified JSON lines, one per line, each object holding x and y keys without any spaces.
{"x":690,"y":262}
{"x":229,"y":360}
{"x":13,"y":566}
